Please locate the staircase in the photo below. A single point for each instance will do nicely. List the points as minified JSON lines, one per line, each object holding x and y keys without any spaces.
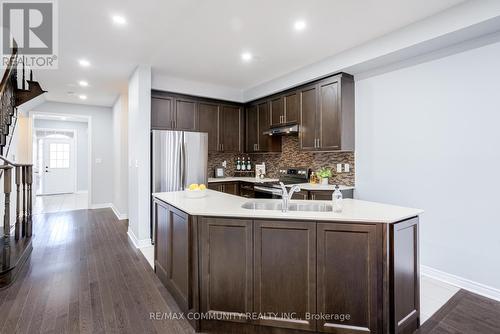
{"x":15,"y":245}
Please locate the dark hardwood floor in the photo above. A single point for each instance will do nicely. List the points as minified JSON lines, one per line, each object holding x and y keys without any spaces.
{"x":85,"y":277}
{"x":465,"y":313}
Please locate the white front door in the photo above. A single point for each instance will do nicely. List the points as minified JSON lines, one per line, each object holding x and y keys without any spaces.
{"x":58,"y":166}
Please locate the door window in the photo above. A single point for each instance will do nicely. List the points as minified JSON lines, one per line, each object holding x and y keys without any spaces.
{"x":59,"y":155}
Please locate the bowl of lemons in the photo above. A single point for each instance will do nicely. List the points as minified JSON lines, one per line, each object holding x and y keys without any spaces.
{"x":196,"y":191}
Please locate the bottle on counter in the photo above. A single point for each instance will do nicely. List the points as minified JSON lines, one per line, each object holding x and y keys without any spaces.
{"x":249,"y":165}
{"x":238,"y":164}
{"x":313,"y":179}
{"x":337,"y":200}
{"x":243,"y":164}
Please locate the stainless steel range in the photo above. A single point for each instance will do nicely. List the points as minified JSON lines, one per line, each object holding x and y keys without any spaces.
{"x":287,"y":176}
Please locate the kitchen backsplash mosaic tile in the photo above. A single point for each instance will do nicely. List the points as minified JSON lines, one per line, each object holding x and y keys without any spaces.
{"x":291,"y":156}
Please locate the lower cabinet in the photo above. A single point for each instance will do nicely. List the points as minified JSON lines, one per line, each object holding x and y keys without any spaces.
{"x":326,"y":195}
{"x":232,"y":188}
{"x":176,"y":254}
{"x":226,"y":268}
{"x":285,"y":273}
{"x":348,"y":277}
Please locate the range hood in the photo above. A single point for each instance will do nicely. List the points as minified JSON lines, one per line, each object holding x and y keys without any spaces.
{"x":283,"y":130}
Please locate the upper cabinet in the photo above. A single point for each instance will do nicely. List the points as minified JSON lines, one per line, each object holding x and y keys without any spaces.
{"x":173,"y":113}
{"x":222,"y":121}
{"x":258,"y":120}
{"x":284,"y":109}
{"x":327,"y":115}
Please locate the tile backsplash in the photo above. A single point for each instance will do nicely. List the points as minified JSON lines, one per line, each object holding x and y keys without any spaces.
{"x":291,"y":156}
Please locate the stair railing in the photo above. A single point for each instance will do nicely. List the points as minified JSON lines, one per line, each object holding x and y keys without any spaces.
{"x":23,"y":227}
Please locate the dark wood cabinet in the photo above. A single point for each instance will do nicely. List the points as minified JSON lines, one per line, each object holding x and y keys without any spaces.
{"x":326,"y":195}
{"x":406,"y":269}
{"x":222,"y":121}
{"x":173,"y":113}
{"x":292,"y":107}
{"x":285,"y":273}
{"x":327,"y":114}
{"x":264,"y":124}
{"x":162,"y":113}
{"x":226,"y":268}
{"x":232,"y":188}
{"x":303,"y":194}
{"x":348,"y":277}
{"x":252,"y":129}
{"x":186,"y":114}
{"x":208,"y":114}
{"x":277,"y":111}
{"x":230,"y":129}
{"x":246,"y":190}
{"x":176,"y":254}
{"x":308,"y":119}
{"x":257,"y":121}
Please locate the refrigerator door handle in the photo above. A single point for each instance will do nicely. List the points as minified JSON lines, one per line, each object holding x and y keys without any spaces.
{"x":183,"y":163}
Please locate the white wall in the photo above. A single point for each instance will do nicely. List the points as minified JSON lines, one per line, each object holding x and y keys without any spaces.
{"x":120,"y":156}
{"x":139,"y":124}
{"x":427,"y":136}
{"x":82,"y":145}
{"x":101,"y":156}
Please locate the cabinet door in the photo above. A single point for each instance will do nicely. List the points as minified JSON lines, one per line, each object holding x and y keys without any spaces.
{"x":292,"y":107}
{"x":321,"y":195}
{"x":226,"y":267}
{"x":215,"y":186}
{"x":186,"y":116}
{"x":174,"y":257}
{"x":230,"y":129}
{"x":231,"y":188}
{"x":348,"y":277}
{"x":264,"y":124}
{"x":277,"y":111}
{"x":162,"y":113}
{"x":308,"y":107}
{"x":329,"y":115}
{"x":285,"y":272}
{"x":208,"y":114}
{"x":252,"y":128}
{"x":303,"y":194}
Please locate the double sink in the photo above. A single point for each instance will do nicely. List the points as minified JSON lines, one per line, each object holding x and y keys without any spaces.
{"x":278,"y":206}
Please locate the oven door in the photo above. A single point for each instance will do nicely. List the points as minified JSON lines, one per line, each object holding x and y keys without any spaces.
{"x":266,"y":192}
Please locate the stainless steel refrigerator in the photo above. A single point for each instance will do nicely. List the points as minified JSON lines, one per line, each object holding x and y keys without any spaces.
{"x":179,"y":158}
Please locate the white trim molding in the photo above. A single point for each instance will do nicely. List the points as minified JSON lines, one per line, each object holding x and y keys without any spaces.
{"x":100,"y":206}
{"x":466,"y":284}
{"x":118,"y":214}
{"x":143,"y":243}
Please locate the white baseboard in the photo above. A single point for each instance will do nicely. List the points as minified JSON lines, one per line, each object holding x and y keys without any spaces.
{"x":138,"y":243}
{"x":120,"y":216}
{"x":466,"y":284}
{"x":100,"y":206}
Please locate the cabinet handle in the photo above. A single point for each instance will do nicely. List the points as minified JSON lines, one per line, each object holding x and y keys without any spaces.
{"x":222,"y":147}
{"x":319,"y":142}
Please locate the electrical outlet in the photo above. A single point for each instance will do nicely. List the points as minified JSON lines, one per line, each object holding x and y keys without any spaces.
{"x":98,"y":160}
{"x":339,"y":168}
{"x":347,"y":168}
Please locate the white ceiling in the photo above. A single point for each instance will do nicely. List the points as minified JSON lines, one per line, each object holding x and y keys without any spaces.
{"x":202,"y":40}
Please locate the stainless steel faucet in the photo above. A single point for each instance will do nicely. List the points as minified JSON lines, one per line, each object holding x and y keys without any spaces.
{"x":286,"y":195}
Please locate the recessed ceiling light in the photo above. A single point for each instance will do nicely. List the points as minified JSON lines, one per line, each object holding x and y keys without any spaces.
{"x":119,"y":20}
{"x":83,"y":83}
{"x":299,"y":25}
{"x":84,"y":62}
{"x":82,"y":97}
{"x":246,"y":56}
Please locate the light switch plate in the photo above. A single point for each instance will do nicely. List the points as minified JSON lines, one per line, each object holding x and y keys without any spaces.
{"x":347,"y":168}
{"x":339,"y":168}
{"x":98,"y":160}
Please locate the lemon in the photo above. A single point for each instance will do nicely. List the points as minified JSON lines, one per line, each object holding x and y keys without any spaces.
{"x":202,"y":187}
{"x":193,"y":186}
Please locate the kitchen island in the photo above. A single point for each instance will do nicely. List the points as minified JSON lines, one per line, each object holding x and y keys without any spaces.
{"x":237,"y":270}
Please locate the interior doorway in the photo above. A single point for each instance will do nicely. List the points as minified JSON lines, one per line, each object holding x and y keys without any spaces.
{"x":61,"y":162}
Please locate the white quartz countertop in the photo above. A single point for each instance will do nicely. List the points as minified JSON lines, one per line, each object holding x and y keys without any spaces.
{"x":218,"y":204}
{"x":303,"y":186}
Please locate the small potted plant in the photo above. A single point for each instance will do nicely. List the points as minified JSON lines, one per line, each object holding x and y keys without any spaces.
{"x":324,"y":173}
